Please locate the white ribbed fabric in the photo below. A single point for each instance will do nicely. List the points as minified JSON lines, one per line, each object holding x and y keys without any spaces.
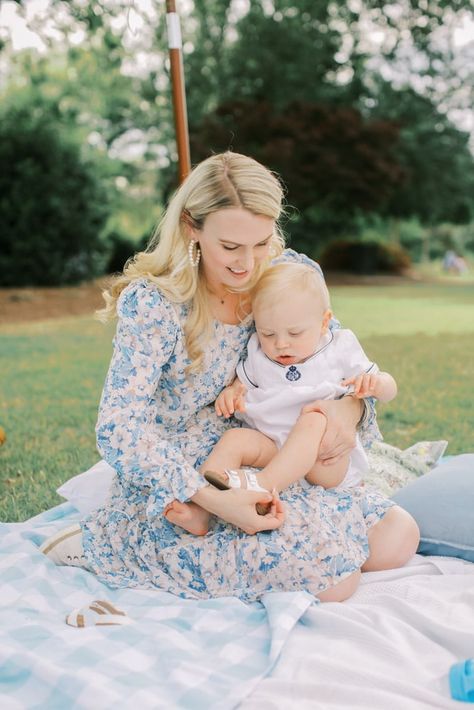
{"x":389,"y":647}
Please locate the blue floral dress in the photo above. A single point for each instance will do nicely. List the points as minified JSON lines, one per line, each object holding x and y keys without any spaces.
{"x":156,"y":426}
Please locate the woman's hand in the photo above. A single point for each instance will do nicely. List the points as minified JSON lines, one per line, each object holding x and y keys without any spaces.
{"x":237,"y":506}
{"x":343,"y":416}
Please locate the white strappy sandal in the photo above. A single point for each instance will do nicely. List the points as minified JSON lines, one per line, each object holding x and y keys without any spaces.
{"x":97,"y":613}
{"x":232,"y":479}
{"x":65,"y":547}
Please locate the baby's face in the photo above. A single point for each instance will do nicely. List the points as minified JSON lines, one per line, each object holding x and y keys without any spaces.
{"x":289,"y":330}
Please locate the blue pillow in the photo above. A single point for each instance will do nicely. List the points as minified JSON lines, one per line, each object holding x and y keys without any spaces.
{"x":442,"y":503}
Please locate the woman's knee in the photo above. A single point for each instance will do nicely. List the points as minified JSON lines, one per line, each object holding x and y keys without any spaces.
{"x":342,"y":591}
{"x":409,"y":535}
{"x":393,"y":541}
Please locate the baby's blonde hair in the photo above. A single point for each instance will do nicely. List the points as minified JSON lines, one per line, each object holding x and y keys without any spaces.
{"x":226,"y":180}
{"x":282,"y":280}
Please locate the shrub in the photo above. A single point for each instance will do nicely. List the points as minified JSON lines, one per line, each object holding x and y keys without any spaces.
{"x":334,"y":161}
{"x":120,"y":249}
{"x":412,"y":236}
{"x":52,"y":206}
{"x":443,"y":237}
{"x":364,"y":257}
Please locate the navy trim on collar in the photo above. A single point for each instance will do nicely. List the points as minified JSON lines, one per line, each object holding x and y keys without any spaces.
{"x":246,"y":375}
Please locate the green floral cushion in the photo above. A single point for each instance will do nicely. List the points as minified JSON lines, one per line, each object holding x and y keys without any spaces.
{"x":390,"y":468}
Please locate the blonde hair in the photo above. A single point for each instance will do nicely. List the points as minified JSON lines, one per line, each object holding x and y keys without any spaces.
{"x":281,"y":280}
{"x":220,"y":182}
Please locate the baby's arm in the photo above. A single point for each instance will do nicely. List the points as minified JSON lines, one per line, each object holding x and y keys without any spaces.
{"x":231,"y":399}
{"x":382,"y":386}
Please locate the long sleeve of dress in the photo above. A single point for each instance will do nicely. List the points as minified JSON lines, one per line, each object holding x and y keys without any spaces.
{"x":129,"y":435}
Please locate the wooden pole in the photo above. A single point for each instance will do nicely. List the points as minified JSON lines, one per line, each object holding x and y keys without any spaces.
{"x":177,"y":84}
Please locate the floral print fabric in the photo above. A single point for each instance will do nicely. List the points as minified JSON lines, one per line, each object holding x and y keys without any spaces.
{"x":156,"y":426}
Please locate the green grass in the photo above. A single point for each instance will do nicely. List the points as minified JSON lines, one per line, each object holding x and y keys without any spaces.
{"x":52,"y":375}
{"x":424,"y":335}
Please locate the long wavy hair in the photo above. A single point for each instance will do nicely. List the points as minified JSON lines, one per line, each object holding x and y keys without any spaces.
{"x":222,"y":181}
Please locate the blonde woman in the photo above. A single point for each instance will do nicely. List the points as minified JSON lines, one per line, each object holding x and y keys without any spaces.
{"x":183,"y":325}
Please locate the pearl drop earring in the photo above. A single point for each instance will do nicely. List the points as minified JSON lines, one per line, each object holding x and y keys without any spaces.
{"x":194,"y":260}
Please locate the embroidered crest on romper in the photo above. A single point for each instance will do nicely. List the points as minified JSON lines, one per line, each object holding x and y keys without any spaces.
{"x":293,"y":374}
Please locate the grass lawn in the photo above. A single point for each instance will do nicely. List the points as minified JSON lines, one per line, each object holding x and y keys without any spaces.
{"x":52,"y":374}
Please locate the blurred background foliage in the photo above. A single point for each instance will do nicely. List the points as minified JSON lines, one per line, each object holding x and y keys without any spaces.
{"x":352,"y":102}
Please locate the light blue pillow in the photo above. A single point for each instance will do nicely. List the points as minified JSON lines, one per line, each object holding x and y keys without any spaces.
{"x":442,"y":503}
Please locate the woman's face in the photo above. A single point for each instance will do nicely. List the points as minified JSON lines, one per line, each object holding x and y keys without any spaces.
{"x":233,"y":242}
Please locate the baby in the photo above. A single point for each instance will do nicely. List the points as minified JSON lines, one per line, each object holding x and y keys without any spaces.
{"x":293,"y":359}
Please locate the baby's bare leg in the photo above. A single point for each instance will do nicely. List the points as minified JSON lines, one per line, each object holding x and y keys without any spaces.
{"x":235,"y":448}
{"x":240,"y":447}
{"x":297,"y":455}
{"x":328,"y":476}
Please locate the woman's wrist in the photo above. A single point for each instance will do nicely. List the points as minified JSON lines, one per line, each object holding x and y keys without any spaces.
{"x":366,"y":407}
{"x":211,"y":499}
{"x":237,"y":507}
{"x":364,"y":413}
{"x":206,"y":497}
{"x":355,"y":409}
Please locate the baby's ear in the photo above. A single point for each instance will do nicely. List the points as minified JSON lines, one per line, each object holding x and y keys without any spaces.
{"x":326,"y":320}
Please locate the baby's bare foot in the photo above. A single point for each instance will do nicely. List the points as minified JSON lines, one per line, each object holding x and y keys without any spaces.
{"x":189,"y":516}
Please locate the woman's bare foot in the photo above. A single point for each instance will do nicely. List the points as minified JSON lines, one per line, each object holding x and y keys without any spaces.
{"x":189,"y":516}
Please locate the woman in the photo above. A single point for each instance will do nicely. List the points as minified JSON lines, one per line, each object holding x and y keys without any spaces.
{"x":183,"y":326}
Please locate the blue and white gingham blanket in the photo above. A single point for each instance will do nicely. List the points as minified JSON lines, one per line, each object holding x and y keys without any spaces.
{"x":176,"y":654}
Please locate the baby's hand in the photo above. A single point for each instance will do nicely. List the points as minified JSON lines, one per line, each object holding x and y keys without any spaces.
{"x":365,"y":385}
{"x":231,"y":400}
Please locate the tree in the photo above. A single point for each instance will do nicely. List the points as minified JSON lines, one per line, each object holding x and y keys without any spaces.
{"x":436,"y":160}
{"x":328,"y":53}
{"x":334,"y":162}
{"x":279,"y":50}
{"x":52,"y":207}
{"x":288,"y":50}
